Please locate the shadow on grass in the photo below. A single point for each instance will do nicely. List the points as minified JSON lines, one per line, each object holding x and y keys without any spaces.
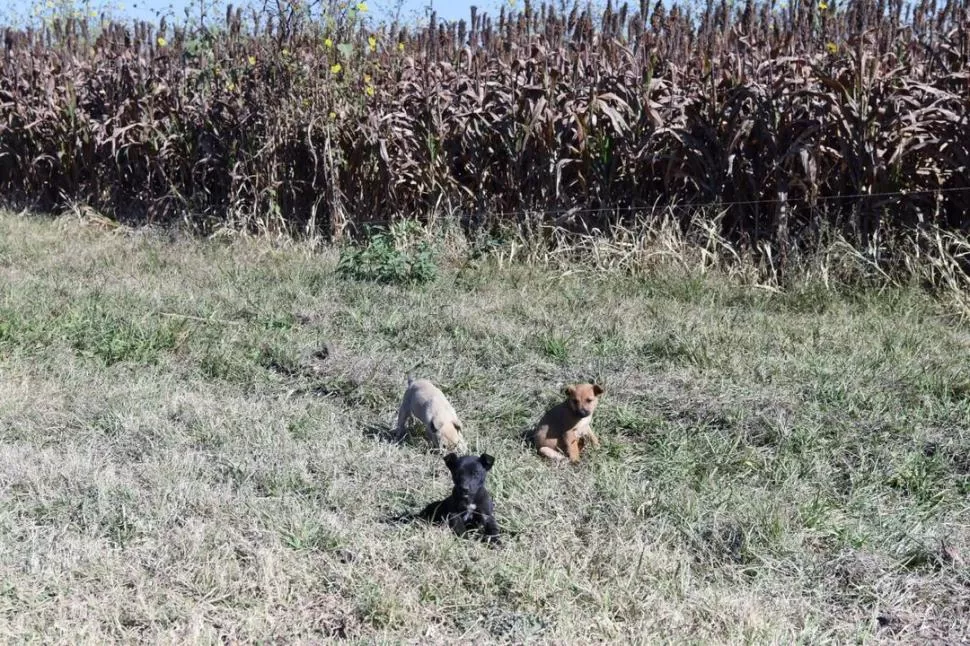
{"x":380,"y":432}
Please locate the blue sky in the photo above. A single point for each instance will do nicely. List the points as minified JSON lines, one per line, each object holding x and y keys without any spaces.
{"x":148,"y":9}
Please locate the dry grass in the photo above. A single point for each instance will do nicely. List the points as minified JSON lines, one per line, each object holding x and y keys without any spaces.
{"x":191,"y":450}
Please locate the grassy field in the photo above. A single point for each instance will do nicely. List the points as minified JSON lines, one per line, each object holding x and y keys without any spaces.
{"x":193,"y":450}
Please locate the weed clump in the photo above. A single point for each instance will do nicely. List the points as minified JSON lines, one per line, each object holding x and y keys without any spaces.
{"x":393,"y":255}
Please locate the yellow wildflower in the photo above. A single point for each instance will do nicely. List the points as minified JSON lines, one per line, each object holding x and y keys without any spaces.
{"x":372,"y":41}
{"x":333,"y":115}
{"x":400,"y":47}
{"x":327,"y":43}
{"x":369,"y":90}
{"x":831,"y":48}
{"x":231,"y":86}
{"x":335,"y":68}
{"x":252,"y":60}
{"x":362,"y":7}
{"x":161,"y":41}
{"x":823,"y":5}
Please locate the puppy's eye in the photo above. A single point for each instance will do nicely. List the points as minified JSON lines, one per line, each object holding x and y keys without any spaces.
{"x":589,"y":401}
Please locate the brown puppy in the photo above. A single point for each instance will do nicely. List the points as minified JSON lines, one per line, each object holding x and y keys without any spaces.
{"x":563,"y":430}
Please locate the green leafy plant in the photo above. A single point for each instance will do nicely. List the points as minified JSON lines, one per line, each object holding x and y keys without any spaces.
{"x":393,"y":255}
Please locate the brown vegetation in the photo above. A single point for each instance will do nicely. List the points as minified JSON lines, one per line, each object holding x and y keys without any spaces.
{"x":792,"y":117}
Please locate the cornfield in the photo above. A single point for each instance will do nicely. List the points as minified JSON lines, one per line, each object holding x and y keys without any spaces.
{"x":786,"y":118}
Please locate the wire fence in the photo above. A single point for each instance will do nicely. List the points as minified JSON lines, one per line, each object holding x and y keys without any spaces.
{"x":699,"y":207}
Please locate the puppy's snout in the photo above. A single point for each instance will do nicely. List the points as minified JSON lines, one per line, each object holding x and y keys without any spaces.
{"x":581,"y":409}
{"x":467,"y":493}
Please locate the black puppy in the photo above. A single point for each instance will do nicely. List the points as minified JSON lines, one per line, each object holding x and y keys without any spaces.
{"x":469,"y":507}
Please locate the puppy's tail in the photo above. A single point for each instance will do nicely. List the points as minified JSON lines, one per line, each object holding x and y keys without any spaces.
{"x":410,"y":373}
{"x":410,"y":376}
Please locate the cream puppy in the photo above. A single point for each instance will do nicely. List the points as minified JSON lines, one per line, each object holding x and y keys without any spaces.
{"x":425,"y":401}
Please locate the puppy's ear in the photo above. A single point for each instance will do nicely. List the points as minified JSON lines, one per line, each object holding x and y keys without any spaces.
{"x":598,"y":390}
{"x":451,"y":460}
{"x":569,"y":391}
{"x":487,"y":461}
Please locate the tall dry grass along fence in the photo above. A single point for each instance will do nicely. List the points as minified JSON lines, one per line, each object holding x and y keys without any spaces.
{"x":787,"y":118}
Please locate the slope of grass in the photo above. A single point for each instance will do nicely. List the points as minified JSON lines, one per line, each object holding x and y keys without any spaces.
{"x":193,"y":448}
